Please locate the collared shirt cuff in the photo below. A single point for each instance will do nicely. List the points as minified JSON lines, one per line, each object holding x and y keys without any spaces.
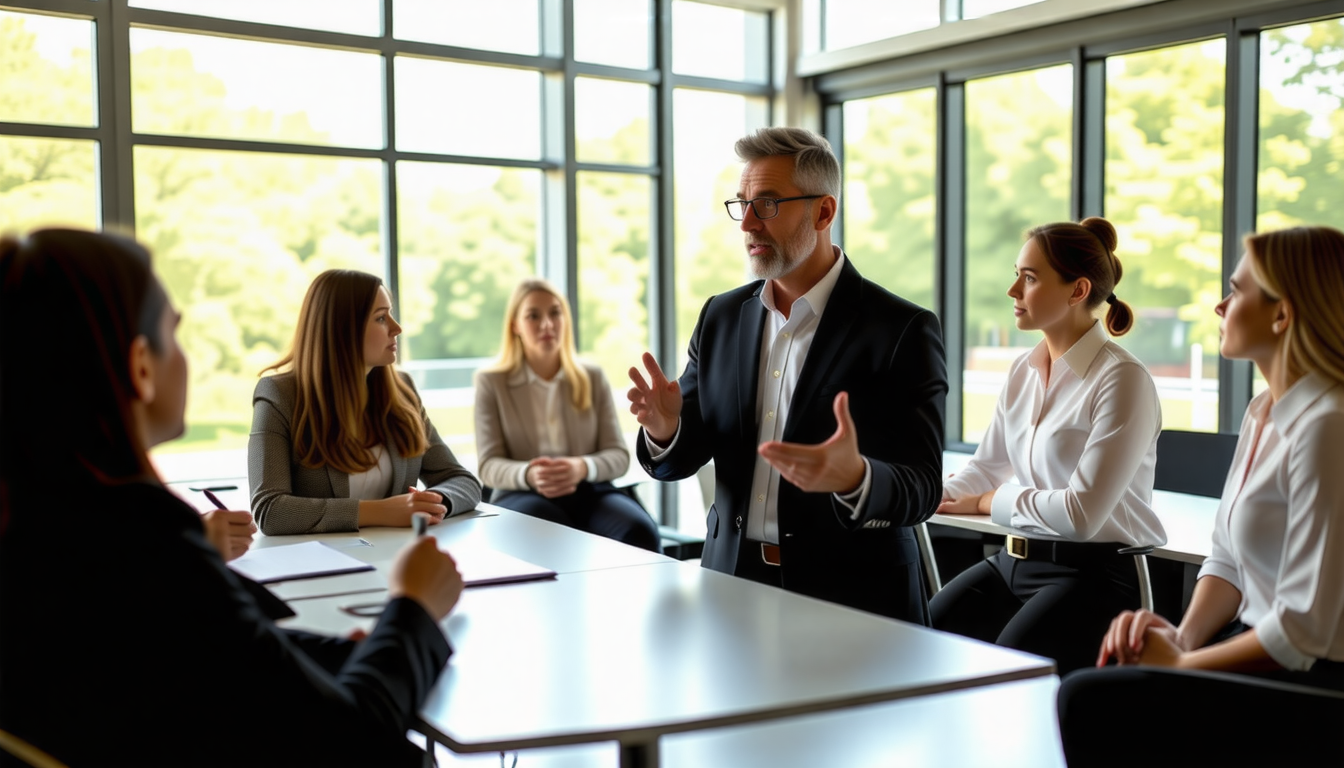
{"x":522,"y":478}
{"x":1271,"y":635}
{"x":855,"y":500}
{"x":656,"y":453}
{"x":592,"y":469}
{"x":1005,"y":503}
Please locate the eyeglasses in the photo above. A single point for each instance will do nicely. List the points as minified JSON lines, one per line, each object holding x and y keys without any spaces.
{"x":763,"y":207}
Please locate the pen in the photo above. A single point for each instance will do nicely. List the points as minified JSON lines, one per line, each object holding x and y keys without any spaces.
{"x":420,"y":522}
{"x":209,"y":494}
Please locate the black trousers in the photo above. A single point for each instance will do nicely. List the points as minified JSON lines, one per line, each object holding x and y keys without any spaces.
{"x":1051,"y":610}
{"x":594,"y":507}
{"x":1129,"y":716}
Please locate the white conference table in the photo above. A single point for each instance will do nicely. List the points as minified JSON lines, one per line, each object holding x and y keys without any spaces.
{"x":633,"y":653}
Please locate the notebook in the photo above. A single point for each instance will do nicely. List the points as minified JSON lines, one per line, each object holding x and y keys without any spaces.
{"x":296,"y":561}
{"x":480,"y":566}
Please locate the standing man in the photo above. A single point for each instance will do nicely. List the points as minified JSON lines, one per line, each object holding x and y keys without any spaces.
{"x":818,"y":394}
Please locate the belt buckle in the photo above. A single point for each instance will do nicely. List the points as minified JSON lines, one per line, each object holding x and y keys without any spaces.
{"x":1016,"y":546}
{"x":770,"y":553}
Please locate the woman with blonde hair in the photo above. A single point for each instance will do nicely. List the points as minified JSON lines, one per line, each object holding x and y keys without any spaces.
{"x":546,"y":430}
{"x":1067,"y":461}
{"x":340,"y":438}
{"x":1268,"y":605}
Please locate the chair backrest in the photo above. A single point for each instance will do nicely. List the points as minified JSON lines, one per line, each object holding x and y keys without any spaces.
{"x":1193,"y":462}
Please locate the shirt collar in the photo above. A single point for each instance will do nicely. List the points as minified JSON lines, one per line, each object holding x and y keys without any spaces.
{"x":817,"y":296}
{"x":1299,"y":397}
{"x":533,"y":378}
{"x":1079,"y":357}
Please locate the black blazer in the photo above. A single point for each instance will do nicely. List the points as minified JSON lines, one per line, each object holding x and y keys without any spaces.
{"x":888,"y":354}
{"x":151,"y":653}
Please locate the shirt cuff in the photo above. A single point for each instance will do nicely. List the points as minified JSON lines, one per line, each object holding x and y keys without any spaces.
{"x":1005,"y":503}
{"x":656,"y":453}
{"x":855,"y":500}
{"x":1276,"y":643}
{"x":522,"y":478}
{"x":592,"y":469}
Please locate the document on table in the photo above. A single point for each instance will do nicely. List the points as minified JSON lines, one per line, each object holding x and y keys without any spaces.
{"x":480,"y":566}
{"x":296,"y":561}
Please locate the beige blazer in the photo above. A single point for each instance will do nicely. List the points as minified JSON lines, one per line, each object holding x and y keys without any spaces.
{"x":290,"y":498}
{"x":506,"y":429}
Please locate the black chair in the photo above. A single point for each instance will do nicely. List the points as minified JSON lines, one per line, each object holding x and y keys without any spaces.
{"x":1193,"y":462}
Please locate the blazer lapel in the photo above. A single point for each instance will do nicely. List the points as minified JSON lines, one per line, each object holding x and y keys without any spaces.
{"x":750,"y":328}
{"x":836,"y":321}
{"x":340,"y":483}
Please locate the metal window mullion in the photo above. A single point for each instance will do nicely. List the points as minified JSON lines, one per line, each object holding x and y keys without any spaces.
{"x":950,"y":245}
{"x":662,"y":271}
{"x":391,"y":226}
{"x":1090,"y":164}
{"x":115,"y":149}
{"x":1240,"y":172}
{"x":563,"y":268}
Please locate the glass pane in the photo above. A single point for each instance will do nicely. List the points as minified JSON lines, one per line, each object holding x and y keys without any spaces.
{"x":357,"y":17}
{"x":613,"y":322}
{"x":198,"y":85}
{"x":1019,"y":145}
{"x":48,"y":183}
{"x":854,"y":22}
{"x":713,"y":41}
{"x":511,"y":26}
{"x":237,"y":237}
{"x":974,"y":9}
{"x":467,"y":235}
{"x":614,"y":32}
{"x":1301,"y":177}
{"x":48,"y":70}
{"x":611,"y":121}
{"x":710,"y":256}
{"x":441,"y":107}
{"x":888,"y":203}
{"x":1164,"y":194}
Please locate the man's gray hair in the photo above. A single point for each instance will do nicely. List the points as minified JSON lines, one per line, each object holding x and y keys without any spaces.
{"x":816,"y":171}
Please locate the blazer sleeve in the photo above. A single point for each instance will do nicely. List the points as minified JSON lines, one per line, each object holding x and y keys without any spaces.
{"x":611,"y":457}
{"x":498,"y":469}
{"x":270,"y":468}
{"x":440,"y":470}
{"x":906,"y":451}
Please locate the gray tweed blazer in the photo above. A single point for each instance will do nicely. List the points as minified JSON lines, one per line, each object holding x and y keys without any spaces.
{"x":289,"y":498}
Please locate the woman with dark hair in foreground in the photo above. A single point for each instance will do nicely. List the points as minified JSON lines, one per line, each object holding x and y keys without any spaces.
{"x":124,"y":639}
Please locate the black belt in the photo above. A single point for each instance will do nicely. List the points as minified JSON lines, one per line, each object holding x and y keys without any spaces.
{"x":1070,"y":553}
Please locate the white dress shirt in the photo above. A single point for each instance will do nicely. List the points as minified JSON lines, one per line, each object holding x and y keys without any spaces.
{"x":784,"y":347}
{"x":545,"y":398}
{"x":376,"y":481}
{"x":1074,"y":459}
{"x":1279,"y":533}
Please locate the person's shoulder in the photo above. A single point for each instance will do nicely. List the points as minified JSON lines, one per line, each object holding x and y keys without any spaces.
{"x":731,"y":299}
{"x":875,"y":299}
{"x":279,"y":388}
{"x":490,"y":377}
{"x":1122,"y":360}
{"x":593,"y":370}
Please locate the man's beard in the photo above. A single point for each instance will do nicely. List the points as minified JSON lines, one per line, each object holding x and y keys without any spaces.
{"x":783,"y":257}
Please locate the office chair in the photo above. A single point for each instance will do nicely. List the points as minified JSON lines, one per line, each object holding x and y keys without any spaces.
{"x":27,"y":753}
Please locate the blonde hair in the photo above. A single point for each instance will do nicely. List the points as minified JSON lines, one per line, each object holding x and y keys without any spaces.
{"x":1087,"y":249}
{"x":340,"y":414}
{"x":511,"y":347}
{"x":1304,"y":266}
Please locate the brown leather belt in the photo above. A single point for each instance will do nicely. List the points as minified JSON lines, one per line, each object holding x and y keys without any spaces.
{"x":769,"y":552}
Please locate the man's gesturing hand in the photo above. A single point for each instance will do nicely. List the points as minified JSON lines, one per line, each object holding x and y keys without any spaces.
{"x":834,"y":466}
{"x":655,"y":403}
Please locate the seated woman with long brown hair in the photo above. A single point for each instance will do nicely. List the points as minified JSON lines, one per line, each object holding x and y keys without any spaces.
{"x":546,"y":429}
{"x":126,"y":639}
{"x":340,"y":438}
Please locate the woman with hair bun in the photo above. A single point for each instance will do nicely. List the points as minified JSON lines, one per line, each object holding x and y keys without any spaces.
{"x":1077,"y":426}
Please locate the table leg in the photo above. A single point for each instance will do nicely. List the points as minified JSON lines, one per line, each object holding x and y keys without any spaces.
{"x":639,"y":754}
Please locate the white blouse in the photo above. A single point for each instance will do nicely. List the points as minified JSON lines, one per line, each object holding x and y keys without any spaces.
{"x":545,"y":396}
{"x":1279,"y":533}
{"x":376,"y":481}
{"x":1073,"y":460}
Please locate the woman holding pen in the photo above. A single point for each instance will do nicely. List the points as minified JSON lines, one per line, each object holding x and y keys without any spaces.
{"x":144,"y":649}
{"x":1077,"y":426}
{"x":1268,"y":606}
{"x":339,"y":438}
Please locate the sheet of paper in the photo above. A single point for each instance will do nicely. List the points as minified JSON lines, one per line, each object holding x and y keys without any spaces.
{"x":480,"y":566}
{"x":296,"y":561}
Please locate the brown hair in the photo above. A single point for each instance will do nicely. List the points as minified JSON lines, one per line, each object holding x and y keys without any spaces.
{"x":340,"y":414}
{"x":1087,"y":249}
{"x":511,"y":347}
{"x":71,"y":304}
{"x":1304,"y":266}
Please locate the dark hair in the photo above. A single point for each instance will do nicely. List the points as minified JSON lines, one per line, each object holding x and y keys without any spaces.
{"x":1087,"y":249}
{"x":340,"y":414}
{"x":71,"y":304}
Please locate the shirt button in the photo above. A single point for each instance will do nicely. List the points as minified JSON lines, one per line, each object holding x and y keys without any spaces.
{"x":770,"y":415}
{"x":760,"y":497}
{"x":776,"y":374}
{"x":787,"y":334}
